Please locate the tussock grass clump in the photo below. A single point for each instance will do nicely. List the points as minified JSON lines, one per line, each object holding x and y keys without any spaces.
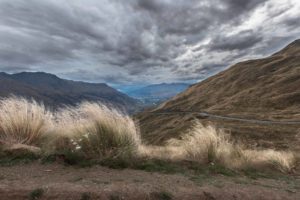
{"x":209,"y":145}
{"x":203,"y":144}
{"x":23,"y":121}
{"x":36,"y":194}
{"x":92,"y":131}
{"x":257,"y":159}
{"x":97,"y":132}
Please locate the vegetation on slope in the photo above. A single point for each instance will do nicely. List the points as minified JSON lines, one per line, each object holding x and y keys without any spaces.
{"x":94,"y":132}
{"x":263,"y":89}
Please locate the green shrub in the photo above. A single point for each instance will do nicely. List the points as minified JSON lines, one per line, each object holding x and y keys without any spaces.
{"x":36,"y":194}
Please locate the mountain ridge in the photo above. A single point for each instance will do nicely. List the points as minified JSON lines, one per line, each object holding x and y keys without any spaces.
{"x":55,"y":92}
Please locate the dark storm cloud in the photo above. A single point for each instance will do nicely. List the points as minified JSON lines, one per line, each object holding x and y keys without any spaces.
{"x":152,"y":5}
{"x":240,"y":41}
{"x":240,"y":6}
{"x":135,"y":40}
{"x":293,"y":22}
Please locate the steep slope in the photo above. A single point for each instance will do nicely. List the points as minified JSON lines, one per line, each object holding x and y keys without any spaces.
{"x":54,"y":91}
{"x":266,"y":88}
{"x":268,"y":85}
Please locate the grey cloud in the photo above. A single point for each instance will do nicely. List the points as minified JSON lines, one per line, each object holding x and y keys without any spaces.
{"x":153,"y":5}
{"x":293,"y":22}
{"x":274,"y":44}
{"x":120,"y":41}
{"x":14,"y":69}
{"x":242,"y":5}
{"x":93,"y":76}
{"x":240,"y":41}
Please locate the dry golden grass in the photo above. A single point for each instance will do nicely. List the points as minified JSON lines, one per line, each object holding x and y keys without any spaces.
{"x":98,"y":132}
{"x":209,"y":145}
{"x":23,"y":121}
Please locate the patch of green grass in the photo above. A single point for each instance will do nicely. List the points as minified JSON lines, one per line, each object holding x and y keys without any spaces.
{"x":68,"y":158}
{"x":162,"y":195}
{"x":116,"y":163}
{"x":255,"y":174}
{"x":200,"y":179}
{"x":212,"y":169}
{"x":73,"y":158}
{"x":291,"y":191}
{"x":297,"y":187}
{"x":36,"y":194}
{"x":241,"y":181}
{"x":159,"y":166}
{"x":219,"y":169}
{"x":203,"y":174}
{"x":79,"y":160}
{"x":134,"y":180}
{"x":114,"y":197}
{"x":100,"y":182}
{"x":14,"y":160}
{"x":85,"y":196}
{"x":145,"y":165}
{"x":218,"y":184}
{"x":76,"y":179}
{"x":48,"y":159}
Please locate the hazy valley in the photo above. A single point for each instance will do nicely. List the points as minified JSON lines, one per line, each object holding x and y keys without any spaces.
{"x":153,"y":95}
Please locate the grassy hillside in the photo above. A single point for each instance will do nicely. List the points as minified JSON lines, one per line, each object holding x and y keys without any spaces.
{"x":265,"y":89}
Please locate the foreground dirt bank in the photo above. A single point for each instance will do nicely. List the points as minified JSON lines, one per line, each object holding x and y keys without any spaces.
{"x":54,"y":181}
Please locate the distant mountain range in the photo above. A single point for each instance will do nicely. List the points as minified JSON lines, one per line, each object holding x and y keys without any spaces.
{"x":55,"y":92}
{"x":157,"y":93}
{"x":262,"y":89}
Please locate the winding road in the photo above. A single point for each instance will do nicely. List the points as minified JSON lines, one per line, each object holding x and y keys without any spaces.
{"x":208,"y":115}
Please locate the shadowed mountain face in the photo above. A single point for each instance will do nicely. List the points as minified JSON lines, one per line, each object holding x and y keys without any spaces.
{"x":55,"y":92}
{"x":267,"y":88}
{"x":153,"y":94}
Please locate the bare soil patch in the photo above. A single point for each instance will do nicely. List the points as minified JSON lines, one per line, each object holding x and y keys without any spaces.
{"x":55,"y":181}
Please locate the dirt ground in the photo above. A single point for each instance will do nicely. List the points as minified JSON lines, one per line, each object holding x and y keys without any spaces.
{"x":55,"y":181}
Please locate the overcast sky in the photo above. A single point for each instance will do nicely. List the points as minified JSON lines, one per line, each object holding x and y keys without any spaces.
{"x":123,"y":42}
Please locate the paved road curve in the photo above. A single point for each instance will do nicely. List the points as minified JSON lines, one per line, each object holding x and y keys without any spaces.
{"x":208,"y":115}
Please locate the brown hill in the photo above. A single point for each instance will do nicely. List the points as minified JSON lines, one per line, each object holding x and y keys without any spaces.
{"x":263,"y":89}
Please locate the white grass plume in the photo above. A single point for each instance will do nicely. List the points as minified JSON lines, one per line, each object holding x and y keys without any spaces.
{"x":23,"y":121}
{"x":97,"y":131}
{"x":209,"y":145}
